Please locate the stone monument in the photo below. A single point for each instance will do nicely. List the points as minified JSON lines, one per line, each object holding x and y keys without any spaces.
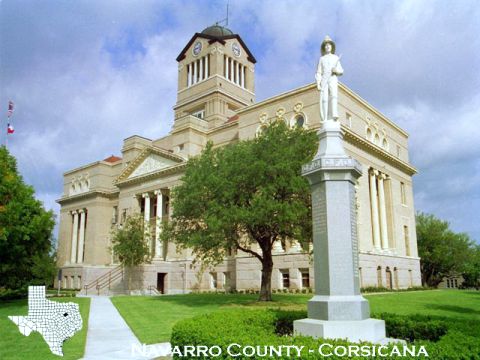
{"x":337,"y":310}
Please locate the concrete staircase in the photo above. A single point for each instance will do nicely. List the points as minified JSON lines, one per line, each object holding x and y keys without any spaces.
{"x":110,"y":283}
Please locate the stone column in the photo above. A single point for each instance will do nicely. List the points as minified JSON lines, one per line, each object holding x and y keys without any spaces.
{"x":207,"y":60}
{"x":383,"y":211}
{"x":236,"y":73}
{"x":337,"y":309}
{"x":158,"y":224}
{"x":81,"y":236}
{"x":374,"y":207}
{"x":146,"y":217}
{"x":227,"y":69}
{"x":194,"y":72}
{"x":73,"y":257}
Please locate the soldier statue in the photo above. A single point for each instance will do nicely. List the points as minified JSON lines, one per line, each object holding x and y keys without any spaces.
{"x":328,"y":69}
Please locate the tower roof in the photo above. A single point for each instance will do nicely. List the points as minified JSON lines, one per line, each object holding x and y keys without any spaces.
{"x":217,"y":31}
{"x":213,"y":34}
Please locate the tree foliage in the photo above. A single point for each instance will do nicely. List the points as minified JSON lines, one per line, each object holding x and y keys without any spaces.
{"x":25,"y":231}
{"x":245,"y":194}
{"x":130,"y":242}
{"x":442,"y":251}
{"x":471,"y":271}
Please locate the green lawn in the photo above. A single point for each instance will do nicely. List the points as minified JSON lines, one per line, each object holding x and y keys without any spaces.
{"x":152,"y":318}
{"x":14,"y":345}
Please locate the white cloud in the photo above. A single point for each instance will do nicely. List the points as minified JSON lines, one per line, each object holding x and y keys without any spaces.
{"x":86,"y":75}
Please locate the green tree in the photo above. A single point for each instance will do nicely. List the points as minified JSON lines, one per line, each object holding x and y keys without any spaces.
{"x":442,"y":252}
{"x":130,"y":244}
{"x":25,"y":230}
{"x":471,"y":271}
{"x":245,"y":194}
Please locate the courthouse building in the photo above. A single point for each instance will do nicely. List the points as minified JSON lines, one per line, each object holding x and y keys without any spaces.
{"x":216,"y":102}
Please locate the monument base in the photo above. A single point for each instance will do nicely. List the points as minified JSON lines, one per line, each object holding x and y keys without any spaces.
{"x":372,"y":330}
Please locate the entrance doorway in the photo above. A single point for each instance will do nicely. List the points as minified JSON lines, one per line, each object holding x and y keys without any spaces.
{"x":161,"y":282}
{"x":389,"y":278}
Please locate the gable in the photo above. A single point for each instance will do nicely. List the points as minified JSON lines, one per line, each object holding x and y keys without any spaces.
{"x":153,"y":162}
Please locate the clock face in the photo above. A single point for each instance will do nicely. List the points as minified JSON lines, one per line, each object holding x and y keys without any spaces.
{"x":236,"y":49}
{"x":197,"y":48}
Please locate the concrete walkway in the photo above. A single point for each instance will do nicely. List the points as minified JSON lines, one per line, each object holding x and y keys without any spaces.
{"x":110,"y":338}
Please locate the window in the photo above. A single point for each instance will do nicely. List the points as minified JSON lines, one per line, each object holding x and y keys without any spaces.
{"x":403,"y":194}
{"x":213,"y":280}
{"x":379,"y":277}
{"x":385,"y":144}
{"x":349,"y":120}
{"x":407,"y":240}
{"x":456,"y":283}
{"x":299,"y":121}
{"x":199,"y":114}
{"x":448,"y":283}
{"x":226,"y":280}
{"x":305,"y":278}
{"x":115,"y":215}
{"x":285,"y":278}
{"x":369,"y":134}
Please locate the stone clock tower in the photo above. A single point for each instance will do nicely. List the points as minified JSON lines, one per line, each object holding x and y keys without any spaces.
{"x":215,"y":78}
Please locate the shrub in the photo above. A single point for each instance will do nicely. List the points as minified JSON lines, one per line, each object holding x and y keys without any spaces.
{"x":10,"y":294}
{"x":443,"y":339}
{"x":416,"y":327}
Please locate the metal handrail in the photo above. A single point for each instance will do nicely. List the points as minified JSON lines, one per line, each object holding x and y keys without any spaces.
{"x":105,"y":279}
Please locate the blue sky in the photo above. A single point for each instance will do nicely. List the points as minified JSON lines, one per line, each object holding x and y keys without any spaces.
{"x":86,"y":74}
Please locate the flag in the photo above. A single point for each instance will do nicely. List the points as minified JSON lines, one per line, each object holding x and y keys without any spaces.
{"x":10,"y":108}
{"x":10,"y":129}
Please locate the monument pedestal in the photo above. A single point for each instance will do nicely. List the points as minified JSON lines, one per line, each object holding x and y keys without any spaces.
{"x":337,"y":310}
{"x":372,"y":330}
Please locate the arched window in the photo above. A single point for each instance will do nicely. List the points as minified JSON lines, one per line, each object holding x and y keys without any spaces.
{"x":376,"y":139}
{"x":261,"y":129}
{"x":385,"y":144}
{"x":369,"y":134}
{"x":299,"y":121}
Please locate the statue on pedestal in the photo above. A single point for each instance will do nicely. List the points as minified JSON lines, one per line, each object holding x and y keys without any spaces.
{"x":328,"y":69}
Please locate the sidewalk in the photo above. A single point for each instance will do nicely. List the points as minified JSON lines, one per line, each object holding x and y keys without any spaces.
{"x":110,"y":338}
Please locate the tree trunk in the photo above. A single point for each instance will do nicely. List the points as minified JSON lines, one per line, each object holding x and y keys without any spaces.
{"x":266,"y":287}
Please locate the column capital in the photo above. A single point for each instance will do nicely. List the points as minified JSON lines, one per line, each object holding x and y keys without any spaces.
{"x":376,"y":172}
{"x":146,"y":195}
{"x":81,"y":211}
{"x":382,"y":176}
{"x":74,"y":212}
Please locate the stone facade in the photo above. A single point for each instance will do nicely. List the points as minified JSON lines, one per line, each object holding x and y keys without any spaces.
{"x":216,"y":102}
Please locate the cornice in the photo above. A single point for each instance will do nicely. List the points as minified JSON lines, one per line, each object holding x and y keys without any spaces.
{"x":86,"y":195}
{"x":357,"y":140}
